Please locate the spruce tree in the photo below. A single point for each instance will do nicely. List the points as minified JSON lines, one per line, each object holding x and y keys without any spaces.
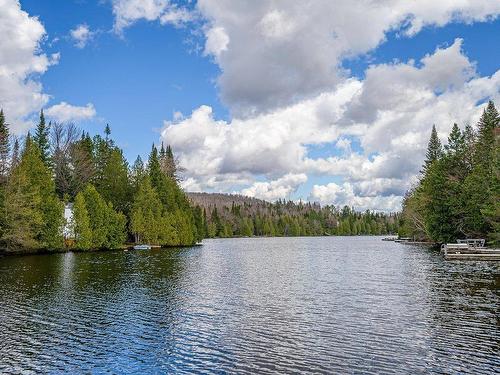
{"x":15,"y":154}
{"x":38,"y":218}
{"x":137,"y":173}
{"x":154,"y":168}
{"x":434,"y":150}
{"x":107,"y":132}
{"x":41,"y":139}
{"x":479,"y":188}
{"x":146,"y":214}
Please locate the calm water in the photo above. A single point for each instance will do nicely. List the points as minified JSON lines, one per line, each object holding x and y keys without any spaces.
{"x":289,"y":305}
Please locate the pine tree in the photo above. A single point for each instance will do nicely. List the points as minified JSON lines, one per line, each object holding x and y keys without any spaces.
{"x":15,"y":155}
{"x":479,"y":189}
{"x":38,"y":219}
{"x":137,"y":173}
{"x":23,"y":217}
{"x":434,"y":150}
{"x":41,"y":139}
{"x":154,"y":168}
{"x":107,"y":132}
{"x":146,"y":214}
{"x":81,"y":224}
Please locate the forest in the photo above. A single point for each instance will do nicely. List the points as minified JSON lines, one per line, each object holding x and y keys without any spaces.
{"x":229,"y":215}
{"x":59,"y":166}
{"x":114,"y":203}
{"x":458,"y":192}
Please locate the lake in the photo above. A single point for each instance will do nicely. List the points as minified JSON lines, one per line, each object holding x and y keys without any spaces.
{"x":251,"y":305}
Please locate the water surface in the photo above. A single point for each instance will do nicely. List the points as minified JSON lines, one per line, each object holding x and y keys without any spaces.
{"x":257,"y":305}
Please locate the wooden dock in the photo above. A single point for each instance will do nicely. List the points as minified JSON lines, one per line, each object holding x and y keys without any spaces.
{"x":465,"y":251}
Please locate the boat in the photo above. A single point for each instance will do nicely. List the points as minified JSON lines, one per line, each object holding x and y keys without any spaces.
{"x":142,"y":247}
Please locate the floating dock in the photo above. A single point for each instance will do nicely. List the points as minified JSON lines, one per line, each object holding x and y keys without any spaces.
{"x":465,"y":250}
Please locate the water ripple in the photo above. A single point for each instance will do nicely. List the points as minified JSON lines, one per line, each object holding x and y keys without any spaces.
{"x":286,"y":305}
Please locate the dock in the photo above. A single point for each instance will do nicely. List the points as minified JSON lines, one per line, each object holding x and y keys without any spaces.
{"x":470,"y":249}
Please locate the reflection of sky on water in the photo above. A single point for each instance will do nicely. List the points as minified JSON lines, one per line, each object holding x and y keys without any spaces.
{"x":250,"y":305}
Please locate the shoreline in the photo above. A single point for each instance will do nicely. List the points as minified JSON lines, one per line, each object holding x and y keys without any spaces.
{"x":129,"y":247}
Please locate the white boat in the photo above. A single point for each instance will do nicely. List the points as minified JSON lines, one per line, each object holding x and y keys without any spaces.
{"x":142,"y":247}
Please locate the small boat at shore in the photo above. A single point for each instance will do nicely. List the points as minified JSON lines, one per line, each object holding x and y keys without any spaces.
{"x":142,"y":247}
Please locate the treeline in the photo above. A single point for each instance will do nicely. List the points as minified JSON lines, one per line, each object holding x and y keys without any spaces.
{"x":458,"y":194}
{"x":228,"y":215}
{"x":111,"y":202}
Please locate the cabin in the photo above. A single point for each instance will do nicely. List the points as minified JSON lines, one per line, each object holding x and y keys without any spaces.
{"x":68,"y":218}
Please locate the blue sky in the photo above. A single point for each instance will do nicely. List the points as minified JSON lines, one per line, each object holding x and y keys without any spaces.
{"x":272,"y":100}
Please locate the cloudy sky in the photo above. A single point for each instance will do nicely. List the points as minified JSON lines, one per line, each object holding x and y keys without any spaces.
{"x":324,"y":100}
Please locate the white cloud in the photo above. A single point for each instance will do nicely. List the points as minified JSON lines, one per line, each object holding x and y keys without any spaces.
{"x":81,"y":35}
{"x":282,"y":52}
{"x":64,"y":112}
{"x":390,"y":114}
{"x":21,"y":63}
{"x":129,"y":11}
{"x":217,"y":41}
{"x":344,"y":195}
{"x":282,"y":187}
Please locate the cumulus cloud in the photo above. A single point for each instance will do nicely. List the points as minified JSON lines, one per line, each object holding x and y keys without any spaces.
{"x":282,"y":52}
{"x":81,"y":35}
{"x":283,"y":82}
{"x":390,"y":113}
{"x":282,"y":187}
{"x":217,"y":41}
{"x":66,"y":112}
{"x":345,"y":195}
{"x":127,"y":12}
{"x":21,"y":63}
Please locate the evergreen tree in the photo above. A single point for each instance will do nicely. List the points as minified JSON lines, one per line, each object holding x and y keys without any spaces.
{"x":35,"y":196}
{"x":146,"y":215}
{"x":41,"y":139}
{"x":434,"y":150}
{"x":116,"y":230}
{"x":97,"y":211}
{"x":137,"y":174}
{"x":107,"y":132}
{"x":479,"y":186}
{"x":15,"y":155}
{"x":154,"y":168}
{"x":23,"y":217}
{"x":81,"y":224}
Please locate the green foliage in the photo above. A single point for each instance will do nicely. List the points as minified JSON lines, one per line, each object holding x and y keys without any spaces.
{"x":107,"y":225}
{"x":111,"y":174}
{"x":108,"y":197}
{"x":290,"y":219}
{"x":33,"y":214}
{"x":458,"y":192}
{"x":81,"y":226}
{"x":41,"y":139}
{"x":434,"y":150}
{"x":146,"y":218}
{"x":170,"y":220}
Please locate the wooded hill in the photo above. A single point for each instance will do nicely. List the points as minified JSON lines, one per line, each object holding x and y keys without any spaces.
{"x":228,"y":215}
